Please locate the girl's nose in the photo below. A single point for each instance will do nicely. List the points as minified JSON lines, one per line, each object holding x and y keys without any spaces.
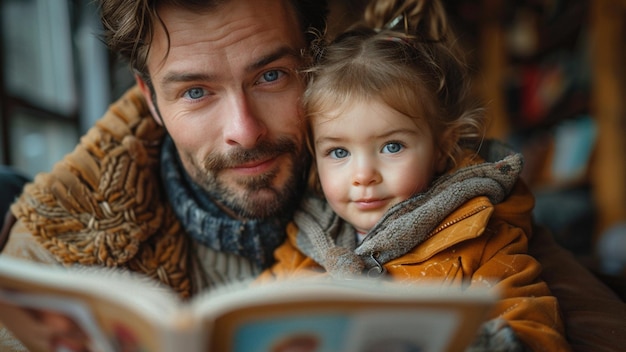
{"x":366,"y":174}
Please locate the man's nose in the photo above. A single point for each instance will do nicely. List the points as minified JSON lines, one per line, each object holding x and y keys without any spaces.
{"x":366,"y":173}
{"x":244,"y":127}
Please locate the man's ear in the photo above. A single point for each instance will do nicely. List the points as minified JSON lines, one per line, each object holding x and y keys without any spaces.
{"x":147,"y":94}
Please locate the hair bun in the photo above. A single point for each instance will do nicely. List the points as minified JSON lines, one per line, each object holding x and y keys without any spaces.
{"x":425,"y":19}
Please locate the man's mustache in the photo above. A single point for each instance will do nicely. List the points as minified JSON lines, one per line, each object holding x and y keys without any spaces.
{"x":263,"y":150}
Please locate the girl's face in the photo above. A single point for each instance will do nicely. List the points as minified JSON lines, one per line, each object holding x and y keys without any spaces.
{"x":370,"y":157}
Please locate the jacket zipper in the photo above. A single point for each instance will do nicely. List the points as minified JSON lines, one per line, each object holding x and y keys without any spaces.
{"x":454,"y":221}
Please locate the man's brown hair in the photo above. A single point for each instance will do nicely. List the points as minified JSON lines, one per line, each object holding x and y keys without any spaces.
{"x":130,"y":24}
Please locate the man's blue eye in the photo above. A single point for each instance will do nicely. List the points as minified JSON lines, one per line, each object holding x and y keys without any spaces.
{"x":392,"y":148}
{"x":339,"y":153}
{"x":195,"y":93}
{"x":271,"y":76}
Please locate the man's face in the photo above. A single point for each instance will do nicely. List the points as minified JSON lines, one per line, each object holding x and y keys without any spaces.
{"x":228,"y":94}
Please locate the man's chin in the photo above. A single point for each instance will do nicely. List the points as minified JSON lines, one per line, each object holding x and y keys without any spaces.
{"x":270,"y":195}
{"x":259,"y":204}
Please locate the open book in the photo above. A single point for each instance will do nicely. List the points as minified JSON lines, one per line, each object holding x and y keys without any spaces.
{"x":104,"y":310}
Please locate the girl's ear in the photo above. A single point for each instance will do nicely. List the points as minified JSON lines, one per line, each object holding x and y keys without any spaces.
{"x":448,"y":140}
{"x":147,"y":94}
{"x":441,"y":163}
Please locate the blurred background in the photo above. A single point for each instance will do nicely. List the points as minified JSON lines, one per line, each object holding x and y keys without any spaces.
{"x":550,"y":71}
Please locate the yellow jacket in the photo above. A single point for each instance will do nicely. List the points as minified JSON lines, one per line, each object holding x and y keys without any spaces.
{"x":478,"y":244}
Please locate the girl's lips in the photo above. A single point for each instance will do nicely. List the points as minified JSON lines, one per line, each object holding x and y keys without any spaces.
{"x":369,"y":204}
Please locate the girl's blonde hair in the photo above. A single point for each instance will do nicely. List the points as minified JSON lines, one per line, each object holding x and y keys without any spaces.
{"x":404,"y":54}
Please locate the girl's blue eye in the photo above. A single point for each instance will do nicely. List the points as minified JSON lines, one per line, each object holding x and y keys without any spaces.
{"x":195,"y":93}
{"x":339,"y":153}
{"x":392,"y":148}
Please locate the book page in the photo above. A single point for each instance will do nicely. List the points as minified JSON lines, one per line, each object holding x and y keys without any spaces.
{"x":64,"y":323}
{"x":343,"y":316}
{"x":99,"y":310}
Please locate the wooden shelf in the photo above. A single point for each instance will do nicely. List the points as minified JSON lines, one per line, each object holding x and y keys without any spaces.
{"x":606,"y":24}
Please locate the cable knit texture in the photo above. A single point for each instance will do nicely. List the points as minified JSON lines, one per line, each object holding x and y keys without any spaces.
{"x":102,"y":204}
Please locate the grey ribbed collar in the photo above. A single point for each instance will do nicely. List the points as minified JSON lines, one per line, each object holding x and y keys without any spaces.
{"x":206,"y":223}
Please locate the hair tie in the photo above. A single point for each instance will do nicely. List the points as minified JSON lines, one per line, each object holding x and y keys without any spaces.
{"x":395,"y":21}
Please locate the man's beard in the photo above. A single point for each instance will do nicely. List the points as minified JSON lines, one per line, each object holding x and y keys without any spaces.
{"x":245,"y":200}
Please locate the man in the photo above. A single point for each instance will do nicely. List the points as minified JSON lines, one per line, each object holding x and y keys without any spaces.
{"x":191,"y":176}
{"x":221,"y":127}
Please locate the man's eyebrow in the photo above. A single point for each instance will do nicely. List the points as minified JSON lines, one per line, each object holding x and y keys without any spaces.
{"x":267,"y":59}
{"x":175,"y":77}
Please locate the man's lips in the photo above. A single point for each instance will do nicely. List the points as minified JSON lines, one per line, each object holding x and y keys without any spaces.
{"x":255,"y":167}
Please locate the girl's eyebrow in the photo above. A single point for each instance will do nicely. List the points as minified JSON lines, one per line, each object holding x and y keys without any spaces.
{"x":327,"y":140}
{"x":403,"y":131}
{"x":397,"y":131}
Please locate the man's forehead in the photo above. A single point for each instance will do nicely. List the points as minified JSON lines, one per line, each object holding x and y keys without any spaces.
{"x":248,"y":34}
{"x":278,"y":12}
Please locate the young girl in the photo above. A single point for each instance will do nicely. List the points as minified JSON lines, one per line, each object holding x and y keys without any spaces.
{"x":401,"y":162}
